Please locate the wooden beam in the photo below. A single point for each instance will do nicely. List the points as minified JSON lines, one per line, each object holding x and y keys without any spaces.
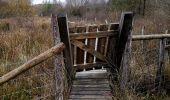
{"x":125,"y":31}
{"x":150,"y":37}
{"x":90,"y":65}
{"x":88,"y":49}
{"x":32,"y":63}
{"x":93,"y":35}
{"x":125,"y":66}
{"x":58,"y":62}
{"x":64,"y":36}
{"x":161,"y":65}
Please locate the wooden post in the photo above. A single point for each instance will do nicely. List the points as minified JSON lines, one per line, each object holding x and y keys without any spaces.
{"x":142,"y":41}
{"x":64,"y":35}
{"x":126,"y":63}
{"x":125,"y":31}
{"x":58,"y":65}
{"x":166,"y":49}
{"x":161,"y":64}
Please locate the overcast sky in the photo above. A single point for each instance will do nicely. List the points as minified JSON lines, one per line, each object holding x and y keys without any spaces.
{"x":41,"y":1}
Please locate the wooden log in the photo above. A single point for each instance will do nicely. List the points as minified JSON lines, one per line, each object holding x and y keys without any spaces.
{"x":64,"y":36}
{"x":32,"y":63}
{"x":161,"y":65}
{"x":150,"y":37}
{"x":99,"y":34}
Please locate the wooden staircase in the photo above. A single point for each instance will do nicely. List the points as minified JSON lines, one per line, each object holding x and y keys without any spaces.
{"x":91,"y":85}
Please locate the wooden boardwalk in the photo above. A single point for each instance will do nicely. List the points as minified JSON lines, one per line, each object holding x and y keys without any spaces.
{"x":91,"y":85}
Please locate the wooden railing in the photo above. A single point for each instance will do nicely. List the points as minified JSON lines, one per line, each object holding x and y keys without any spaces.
{"x":162,"y":49}
{"x":32,"y":63}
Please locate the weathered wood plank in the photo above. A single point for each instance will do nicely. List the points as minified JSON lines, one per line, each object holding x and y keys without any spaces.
{"x":102,"y":42}
{"x":150,"y":37}
{"x":91,"y":89}
{"x":32,"y":63}
{"x":88,"y":49}
{"x":91,"y":86}
{"x":99,"y":34}
{"x":90,"y":92}
{"x":64,"y":35}
{"x":106,"y":97}
{"x":125,"y":30}
{"x":80,"y":53}
{"x":90,"y":65}
{"x":91,"y":82}
{"x":125,"y":66}
{"x":58,"y":65}
{"x":91,"y":42}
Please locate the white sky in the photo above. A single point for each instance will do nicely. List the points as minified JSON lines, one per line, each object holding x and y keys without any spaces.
{"x":41,"y":1}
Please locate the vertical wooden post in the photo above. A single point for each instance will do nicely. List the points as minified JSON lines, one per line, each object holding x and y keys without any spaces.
{"x":166,"y":49}
{"x":59,"y":67}
{"x":161,"y":64}
{"x":126,"y":63}
{"x":125,"y":31}
{"x":142,"y":41}
{"x":64,"y":35}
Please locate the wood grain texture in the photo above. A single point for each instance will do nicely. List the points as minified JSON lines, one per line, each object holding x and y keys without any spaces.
{"x":64,"y":36}
{"x":91,"y":85}
{"x":93,"y":35}
{"x":32,"y":63}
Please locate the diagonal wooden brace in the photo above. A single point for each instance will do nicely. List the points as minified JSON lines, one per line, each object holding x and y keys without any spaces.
{"x":89,"y":49}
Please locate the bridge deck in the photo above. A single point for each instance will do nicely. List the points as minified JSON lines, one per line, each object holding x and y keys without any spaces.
{"x":91,"y":85}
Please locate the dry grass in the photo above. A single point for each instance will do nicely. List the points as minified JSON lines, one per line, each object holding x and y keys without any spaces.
{"x":23,"y":38}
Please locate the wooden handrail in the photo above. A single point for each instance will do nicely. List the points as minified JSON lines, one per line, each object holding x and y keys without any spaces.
{"x":33,"y":62}
{"x":150,"y":37}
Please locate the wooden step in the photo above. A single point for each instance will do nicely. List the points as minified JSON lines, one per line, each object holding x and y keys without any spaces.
{"x":90,"y":97}
{"x":91,"y":85}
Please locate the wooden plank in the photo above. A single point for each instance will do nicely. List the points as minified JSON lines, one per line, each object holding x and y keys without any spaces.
{"x":161,"y":65}
{"x":93,"y":35}
{"x":125,"y":66}
{"x":64,"y":35}
{"x":114,"y":26}
{"x":91,"y":42}
{"x":150,"y":37}
{"x":80,"y":53}
{"x":102,"y":41}
{"x":58,"y":65}
{"x":88,"y":49}
{"x":32,"y":63}
{"x":91,"y":89}
{"x":90,"y":65}
{"x":125,"y":30}
{"x":91,"y":82}
{"x":90,"y":92}
{"x":91,"y":86}
{"x":91,"y":97}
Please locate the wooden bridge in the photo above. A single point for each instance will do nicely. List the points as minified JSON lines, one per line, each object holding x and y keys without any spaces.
{"x":93,"y":47}
{"x":95,"y":57}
